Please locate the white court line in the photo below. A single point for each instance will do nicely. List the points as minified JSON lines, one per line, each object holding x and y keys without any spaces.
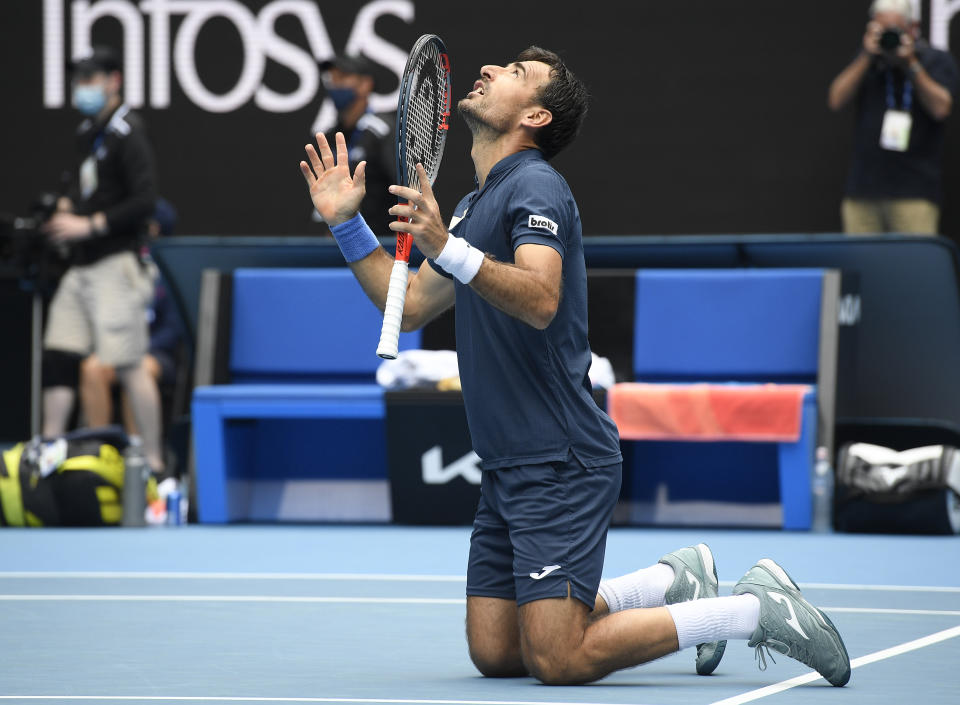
{"x":308,"y":599}
{"x":855,"y":663}
{"x":239,"y":699}
{"x":884,"y":588}
{"x":173,"y":575}
{"x":237,"y":598}
{"x":372,"y":577}
{"x":854,"y":586}
{"x":881,"y":610}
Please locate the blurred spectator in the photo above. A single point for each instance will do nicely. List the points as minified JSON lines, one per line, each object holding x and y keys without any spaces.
{"x":163,"y":220}
{"x":99,"y":306}
{"x":349,"y":81}
{"x":97,"y":378}
{"x":903,"y":91}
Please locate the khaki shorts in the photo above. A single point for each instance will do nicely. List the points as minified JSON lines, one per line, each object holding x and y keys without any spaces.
{"x":916,"y":216}
{"x":102,"y":308}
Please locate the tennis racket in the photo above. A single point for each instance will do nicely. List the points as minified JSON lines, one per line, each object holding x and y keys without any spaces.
{"x":423,"y":112}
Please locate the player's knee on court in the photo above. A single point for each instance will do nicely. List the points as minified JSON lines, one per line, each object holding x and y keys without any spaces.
{"x":495,"y":661}
{"x":554,"y":662}
{"x":60,"y":369}
{"x":495,"y":652}
{"x":551,"y":666}
{"x":552,"y":641}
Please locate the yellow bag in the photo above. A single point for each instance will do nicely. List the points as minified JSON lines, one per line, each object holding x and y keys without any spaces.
{"x":64,"y":482}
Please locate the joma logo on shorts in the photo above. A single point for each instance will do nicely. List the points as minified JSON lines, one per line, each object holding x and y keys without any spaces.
{"x":538,"y":221}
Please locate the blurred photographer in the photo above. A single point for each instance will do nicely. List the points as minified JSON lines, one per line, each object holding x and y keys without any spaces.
{"x":903,"y":90}
{"x":100,"y":304}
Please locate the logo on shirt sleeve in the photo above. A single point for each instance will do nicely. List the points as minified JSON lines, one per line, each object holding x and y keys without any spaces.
{"x":457,"y":218}
{"x":538,"y":221}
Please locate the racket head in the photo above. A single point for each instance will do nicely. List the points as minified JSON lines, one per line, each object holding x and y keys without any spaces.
{"x":423,"y":111}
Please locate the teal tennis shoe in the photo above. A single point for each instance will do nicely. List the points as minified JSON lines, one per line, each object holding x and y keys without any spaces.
{"x":792,"y":626}
{"x":696,"y":577}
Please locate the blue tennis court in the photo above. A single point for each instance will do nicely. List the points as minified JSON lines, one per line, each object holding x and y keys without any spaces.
{"x":346,"y":614}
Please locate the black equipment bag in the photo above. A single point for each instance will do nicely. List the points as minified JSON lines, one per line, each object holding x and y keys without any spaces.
{"x":881,"y":490}
{"x":75,"y":480}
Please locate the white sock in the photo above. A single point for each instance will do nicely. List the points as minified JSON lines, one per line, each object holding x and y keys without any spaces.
{"x":642,"y":588}
{"x":715,"y":619}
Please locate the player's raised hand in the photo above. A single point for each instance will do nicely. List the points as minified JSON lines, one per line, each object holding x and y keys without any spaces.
{"x":335,"y":193}
{"x":426,"y":224}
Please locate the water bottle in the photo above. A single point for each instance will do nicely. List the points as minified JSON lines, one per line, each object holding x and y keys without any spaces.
{"x":176,"y":506}
{"x":136,"y":471}
{"x":822,"y":488}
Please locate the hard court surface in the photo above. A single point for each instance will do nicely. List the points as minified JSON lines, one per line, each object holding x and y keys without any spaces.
{"x":346,"y":614}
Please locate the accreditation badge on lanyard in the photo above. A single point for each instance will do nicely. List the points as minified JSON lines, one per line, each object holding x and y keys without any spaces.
{"x":88,"y":170}
{"x":88,"y":177}
{"x":895,"y":130}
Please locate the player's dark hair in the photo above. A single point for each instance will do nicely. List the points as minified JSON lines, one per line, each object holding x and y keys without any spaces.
{"x":564,"y":96}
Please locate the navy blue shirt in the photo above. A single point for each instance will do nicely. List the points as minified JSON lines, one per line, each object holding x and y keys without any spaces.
{"x":527,"y":394}
{"x":881,"y":173}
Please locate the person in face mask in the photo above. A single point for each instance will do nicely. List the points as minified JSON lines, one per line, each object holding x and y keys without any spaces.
{"x":349,"y":82}
{"x":100,"y":304}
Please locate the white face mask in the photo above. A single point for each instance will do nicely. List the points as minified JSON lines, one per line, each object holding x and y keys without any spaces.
{"x":89,"y":100}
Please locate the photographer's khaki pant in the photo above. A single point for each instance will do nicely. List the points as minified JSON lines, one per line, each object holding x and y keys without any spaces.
{"x":916,"y":216}
{"x":102,"y":308}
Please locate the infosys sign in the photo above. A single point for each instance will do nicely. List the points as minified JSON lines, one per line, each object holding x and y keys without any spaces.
{"x":171,"y":54}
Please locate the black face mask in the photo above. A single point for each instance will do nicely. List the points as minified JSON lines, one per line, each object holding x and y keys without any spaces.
{"x":342,"y":97}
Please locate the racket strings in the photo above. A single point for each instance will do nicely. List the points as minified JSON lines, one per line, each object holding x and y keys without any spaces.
{"x":424,"y":115}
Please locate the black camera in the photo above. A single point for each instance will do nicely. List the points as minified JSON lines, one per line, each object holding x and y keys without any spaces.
{"x":23,"y":248}
{"x":890,"y":39}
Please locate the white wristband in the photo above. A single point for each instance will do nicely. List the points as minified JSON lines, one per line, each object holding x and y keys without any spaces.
{"x":460,"y":259}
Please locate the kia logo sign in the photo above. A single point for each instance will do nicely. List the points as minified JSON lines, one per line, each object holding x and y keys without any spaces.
{"x":434,"y":472}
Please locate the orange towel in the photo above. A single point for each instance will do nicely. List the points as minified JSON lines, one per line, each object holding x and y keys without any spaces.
{"x":707,"y":412}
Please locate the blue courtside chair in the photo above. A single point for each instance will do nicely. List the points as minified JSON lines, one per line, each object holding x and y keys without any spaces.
{"x":743,"y":326}
{"x":297,"y":432}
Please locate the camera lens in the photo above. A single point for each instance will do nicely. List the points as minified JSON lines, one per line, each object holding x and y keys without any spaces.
{"x":890,"y":39}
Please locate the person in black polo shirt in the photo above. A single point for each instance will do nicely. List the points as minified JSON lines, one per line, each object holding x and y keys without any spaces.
{"x":903,"y":91}
{"x":512,"y":262}
{"x":100,"y":304}
{"x":349,"y":82}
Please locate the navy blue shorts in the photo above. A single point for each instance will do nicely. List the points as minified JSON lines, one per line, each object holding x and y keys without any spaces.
{"x":539,"y":527}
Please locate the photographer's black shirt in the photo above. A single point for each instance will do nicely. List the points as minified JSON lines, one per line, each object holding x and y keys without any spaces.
{"x":880,"y":173}
{"x":371,"y":140}
{"x":124,"y":187}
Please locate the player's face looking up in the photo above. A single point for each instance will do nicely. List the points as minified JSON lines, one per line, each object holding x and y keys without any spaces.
{"x":502,"y":93}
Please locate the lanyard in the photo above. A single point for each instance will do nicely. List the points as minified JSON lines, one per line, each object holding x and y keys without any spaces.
{"x":357,"y":133}
{"x":907,"y":101}
{"x":98,"y":142}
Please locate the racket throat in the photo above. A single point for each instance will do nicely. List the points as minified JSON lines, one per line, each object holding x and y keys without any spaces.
{"x":404,"y":240}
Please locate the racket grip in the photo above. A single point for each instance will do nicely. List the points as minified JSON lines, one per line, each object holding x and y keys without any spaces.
{"x":393,"y":311}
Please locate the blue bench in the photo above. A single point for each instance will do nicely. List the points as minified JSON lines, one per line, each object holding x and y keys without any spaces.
{"x":298,"y":432}
{"x":743,"y":326}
